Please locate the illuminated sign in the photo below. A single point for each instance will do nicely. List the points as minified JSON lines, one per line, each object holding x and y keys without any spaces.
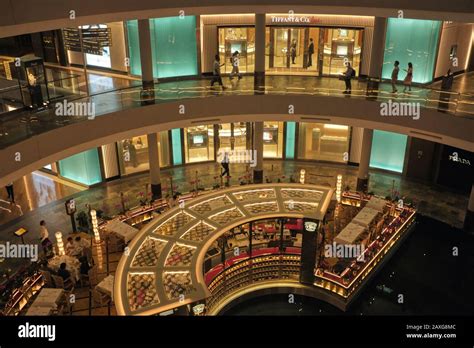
{"x":291,"y":19}
{"x":310,"y":226}
{"x":455,"y":158}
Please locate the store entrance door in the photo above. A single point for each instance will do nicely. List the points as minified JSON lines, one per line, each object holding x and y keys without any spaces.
{"x":290,"y":50}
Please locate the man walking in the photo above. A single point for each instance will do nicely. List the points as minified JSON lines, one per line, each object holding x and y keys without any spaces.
{"x":217,"y":72}
{"x":347,"y":76}
{"x":225,"y":165}
{"x":10,"y":192}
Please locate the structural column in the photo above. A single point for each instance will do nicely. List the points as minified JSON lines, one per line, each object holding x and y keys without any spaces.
{"x":377,"y":53}
{"x":259,"y":50}
{"x":154,"y":159}
{"x":363,"y":174}
{"x":146,"y":57}
{"x":469,"y":220}
{"x":258,"y":147}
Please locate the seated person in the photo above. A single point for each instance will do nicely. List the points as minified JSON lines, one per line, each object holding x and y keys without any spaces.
{"x":70,"y":246}
{"x":79,"y":245}
{"x":63,"y":272}
{"x":85,"y":267}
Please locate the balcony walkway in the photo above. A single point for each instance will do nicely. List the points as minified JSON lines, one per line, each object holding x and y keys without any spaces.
{"x":22,"y":125}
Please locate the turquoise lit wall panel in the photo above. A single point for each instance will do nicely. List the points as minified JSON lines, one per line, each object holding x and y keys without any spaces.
{"x":411,"y":40}
{"x":133,"y":47}
{"x":290,"y":140}
{"x":83,"y":167}
{"x":174,"y":46}
{"x":388,"y":151}
{"x":177,"y":148}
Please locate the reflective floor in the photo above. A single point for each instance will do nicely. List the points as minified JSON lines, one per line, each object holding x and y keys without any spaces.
{"x":27,"y":124}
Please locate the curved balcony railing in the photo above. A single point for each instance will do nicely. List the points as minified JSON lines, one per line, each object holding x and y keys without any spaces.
{"x":33,"y":122}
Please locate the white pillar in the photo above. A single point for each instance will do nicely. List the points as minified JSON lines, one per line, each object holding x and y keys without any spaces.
{"x":154,"y":160}
{"x":363,"y":174}
{"x":258,"y":146}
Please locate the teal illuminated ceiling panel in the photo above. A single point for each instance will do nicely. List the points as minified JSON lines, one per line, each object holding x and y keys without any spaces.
{"x":177,"y":148}
{"x":411,"y":40}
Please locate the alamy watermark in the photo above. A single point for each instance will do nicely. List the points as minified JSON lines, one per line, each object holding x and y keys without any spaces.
{"x":84,"y":109}
{"x":345,"y":251}
{"x":391,"y":108}
{"x":238,"y":156}
{"x":21,"y":251}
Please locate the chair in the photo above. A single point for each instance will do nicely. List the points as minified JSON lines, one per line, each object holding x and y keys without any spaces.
{"x":100,"y":298}
{"x":67,"y":284}
{"x":48,"y":281}
{"x":92,"y":276}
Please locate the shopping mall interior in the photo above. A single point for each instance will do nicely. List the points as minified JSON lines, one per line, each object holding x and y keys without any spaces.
{"x":244,"y":160}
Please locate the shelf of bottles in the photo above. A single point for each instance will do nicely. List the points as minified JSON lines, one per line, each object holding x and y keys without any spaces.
{"x":251,"y":271}
{"x":401,"y":220}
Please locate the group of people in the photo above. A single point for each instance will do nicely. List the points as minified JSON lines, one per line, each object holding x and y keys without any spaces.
{"x":350,"y":73}
{"x":216,"y":72}
{"x":76,"y":247}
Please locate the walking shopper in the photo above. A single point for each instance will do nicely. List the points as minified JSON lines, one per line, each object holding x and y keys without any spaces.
{"x":395,"y":71}
{"x":217,"y":72}
{"x":347,"y":76}
{"x":225,"y":165}
{"x":11,"y":194}
{"x":408,"y":78}
{"x":235,"y":65}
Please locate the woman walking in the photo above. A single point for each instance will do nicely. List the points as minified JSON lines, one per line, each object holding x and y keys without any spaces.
{"x":408,"y":78}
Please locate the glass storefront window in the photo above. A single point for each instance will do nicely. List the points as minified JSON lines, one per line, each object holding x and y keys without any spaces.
{"x":232,"y":136}
{"x":240,"y":39}
{"x":273,"y":139}
{"x":341,"y":45}
{"x":133,"y":153}
{"x":388,"y":151}
{"x":326,"y":142}
{"x":288,"y":49}
{"x":411,"y":41}
{"x":199,"y":143}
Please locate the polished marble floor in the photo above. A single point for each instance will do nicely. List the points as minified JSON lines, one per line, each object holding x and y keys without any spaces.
{"x":26,"y":124}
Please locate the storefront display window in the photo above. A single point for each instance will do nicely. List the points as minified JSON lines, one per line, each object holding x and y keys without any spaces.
{"x":232,"y":136}
{"x":173,"y":42}
{"x":340,"y":46}
{"x":273,"y":139}
{"x":199,"y":143}
{"x":133,"y":153}
{"x":241,"y":39}
{"x":411,"y":41}
{"x":325,"y":142}
{"x":83,"y":167}
{"x":388,"y":151}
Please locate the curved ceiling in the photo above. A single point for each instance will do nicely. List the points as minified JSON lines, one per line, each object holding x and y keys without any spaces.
{"x":29,"y":16}
{"x":62,"y":142}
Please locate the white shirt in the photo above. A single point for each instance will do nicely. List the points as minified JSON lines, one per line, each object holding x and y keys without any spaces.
{"x":44,"y":233}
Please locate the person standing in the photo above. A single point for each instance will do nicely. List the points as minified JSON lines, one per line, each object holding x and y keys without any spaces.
{"x":44,"y":238}
{"x":235,"y":65}
{"x":347,"y":76}
{"x":310,"y":53}
{"x":225,"y":165}
{"x":10,"y":192}
{"x":216,"y":72}
{"x":293,"y":51}
{"x":395,"y":71}
{"x":408,"y":78}
{"x":445,"y":95}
